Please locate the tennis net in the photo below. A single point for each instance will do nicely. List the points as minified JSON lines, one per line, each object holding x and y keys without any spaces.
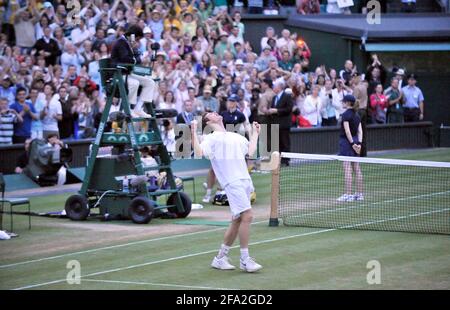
{"x":385,"y":194}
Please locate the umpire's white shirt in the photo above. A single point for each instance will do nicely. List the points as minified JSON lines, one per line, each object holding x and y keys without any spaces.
{"x":226,"y":151}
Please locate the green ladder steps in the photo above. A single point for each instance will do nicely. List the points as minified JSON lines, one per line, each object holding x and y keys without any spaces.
{"x":159,"y":167}
{"x":142,"y":139}
{"x":161,"y":192}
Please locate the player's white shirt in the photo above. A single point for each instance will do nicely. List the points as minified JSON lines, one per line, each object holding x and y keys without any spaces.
{"x":226,"y":151}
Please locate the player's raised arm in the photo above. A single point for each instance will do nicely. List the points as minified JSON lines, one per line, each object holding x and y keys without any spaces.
{"x":196,"y":145}
{"x":256,"y":129}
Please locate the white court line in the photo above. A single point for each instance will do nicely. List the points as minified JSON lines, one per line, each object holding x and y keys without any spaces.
{"x":215,"y":250}
{"x":173,"y":259}
{"x":116,"y":246}
{"x":371,"y":204}
{"x":160,"y":284}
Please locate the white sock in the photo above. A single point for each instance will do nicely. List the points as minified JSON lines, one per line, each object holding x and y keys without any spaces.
{"x":244,"y":253}
{"x":224,"y":249}
{"x":208,"y":192}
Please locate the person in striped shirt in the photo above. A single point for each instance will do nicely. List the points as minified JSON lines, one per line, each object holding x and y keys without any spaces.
{"x":8,"y":117}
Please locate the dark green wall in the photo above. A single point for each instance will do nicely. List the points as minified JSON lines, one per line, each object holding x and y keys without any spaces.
{"x":331,"y":49}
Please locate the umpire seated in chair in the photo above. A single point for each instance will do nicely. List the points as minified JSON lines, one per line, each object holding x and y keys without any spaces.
{"x":125,"y":50}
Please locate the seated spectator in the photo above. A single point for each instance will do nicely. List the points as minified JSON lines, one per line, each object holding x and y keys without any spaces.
{"x":25,"y":109}
{"x":57,"y":145}
{"x":309,"y":7}
{"x":8,"y":118}
{"x":413,"y":100}
{"x":187,"y":116}
{"x":378,"y":106}
{"x":210,"y":103}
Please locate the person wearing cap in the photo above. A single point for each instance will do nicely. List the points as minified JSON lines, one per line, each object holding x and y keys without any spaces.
{"x":222,"y":46}
{"x":8,"y":89}
{"x":110,"y":37}
{"x":146,"y":39}
{"x":239,"y":69}
{"x":399,"y":74}
{"x":156,"y":24}
{"x":125,"y":50}
{"x":350,"y":137}
{"x":413,"y":100}
{"x":210,"y":103}
{"x":232,"y":116}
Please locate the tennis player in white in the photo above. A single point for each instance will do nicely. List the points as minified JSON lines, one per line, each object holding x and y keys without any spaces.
{"x":227,"y":151}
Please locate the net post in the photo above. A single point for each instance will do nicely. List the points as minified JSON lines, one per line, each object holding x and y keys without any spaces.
{"x":273,"y":220}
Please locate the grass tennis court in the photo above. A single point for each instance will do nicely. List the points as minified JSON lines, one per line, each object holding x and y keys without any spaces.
{"x":176,"y":254}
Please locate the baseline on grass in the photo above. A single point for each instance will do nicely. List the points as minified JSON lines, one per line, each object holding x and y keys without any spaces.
{"x":398,"y":195}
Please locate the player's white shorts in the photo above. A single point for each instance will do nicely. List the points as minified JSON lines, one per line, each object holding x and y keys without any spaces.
{"x":238,"y":194}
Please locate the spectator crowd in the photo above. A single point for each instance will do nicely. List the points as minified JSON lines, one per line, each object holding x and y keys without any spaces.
{"x":50,"y":80}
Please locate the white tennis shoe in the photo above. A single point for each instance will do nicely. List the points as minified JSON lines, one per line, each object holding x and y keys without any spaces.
{"x":207,"y":198}
{"x":346,"y":198}
{"x":249,"y":265}
{"x":359,"y":196}
{"x":222,"y":263}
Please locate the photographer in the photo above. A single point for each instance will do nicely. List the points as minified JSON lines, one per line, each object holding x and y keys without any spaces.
{"x":57,"y":145}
